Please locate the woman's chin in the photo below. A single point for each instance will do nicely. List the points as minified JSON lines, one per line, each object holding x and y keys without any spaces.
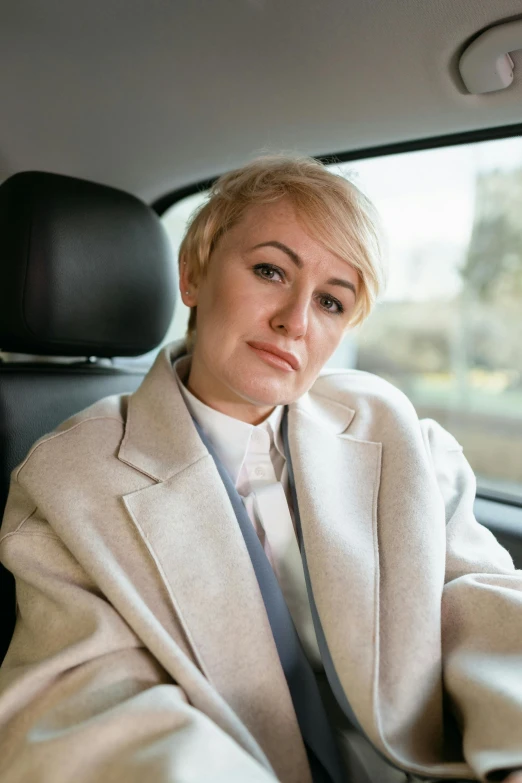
{"x":265,"y":392}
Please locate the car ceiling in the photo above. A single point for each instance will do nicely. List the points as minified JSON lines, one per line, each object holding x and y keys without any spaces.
{"x":151,"y":95}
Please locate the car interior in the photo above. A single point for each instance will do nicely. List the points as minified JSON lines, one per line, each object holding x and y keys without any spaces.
{"x":118,"y":116}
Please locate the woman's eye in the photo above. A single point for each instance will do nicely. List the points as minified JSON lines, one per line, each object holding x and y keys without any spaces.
{"x":331,"y":305}
{"x":267,"y":271}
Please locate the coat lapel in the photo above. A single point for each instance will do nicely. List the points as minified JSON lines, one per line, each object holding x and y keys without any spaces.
{"x":376,"y":574}
{"x":192,"y":534}
{"x":337,"y":482}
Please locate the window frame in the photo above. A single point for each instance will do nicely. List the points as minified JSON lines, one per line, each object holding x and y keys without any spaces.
{"x":165,"y":202}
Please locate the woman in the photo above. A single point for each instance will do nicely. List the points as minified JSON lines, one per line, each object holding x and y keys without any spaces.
{"x":159,"y":638}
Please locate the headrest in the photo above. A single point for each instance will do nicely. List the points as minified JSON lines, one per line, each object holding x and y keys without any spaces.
{"x":85,"y":270}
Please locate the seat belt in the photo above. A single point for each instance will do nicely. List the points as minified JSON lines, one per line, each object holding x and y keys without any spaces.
{"x":323,"y":755}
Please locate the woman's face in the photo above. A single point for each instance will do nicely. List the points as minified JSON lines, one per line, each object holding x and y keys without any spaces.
{"x":269,"y":287}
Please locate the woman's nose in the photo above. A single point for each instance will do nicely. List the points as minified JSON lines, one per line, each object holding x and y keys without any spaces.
{"x":292,"y":318}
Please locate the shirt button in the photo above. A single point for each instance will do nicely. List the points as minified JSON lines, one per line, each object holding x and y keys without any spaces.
{"x":259,"y":471}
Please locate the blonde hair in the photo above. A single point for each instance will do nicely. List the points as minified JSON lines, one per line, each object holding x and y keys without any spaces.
{"x":337,"y":214}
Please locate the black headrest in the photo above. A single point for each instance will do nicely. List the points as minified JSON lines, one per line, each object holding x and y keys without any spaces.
{"x":85,"y":270}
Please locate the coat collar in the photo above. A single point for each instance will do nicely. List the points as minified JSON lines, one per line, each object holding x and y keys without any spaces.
{"x":160,"y":439}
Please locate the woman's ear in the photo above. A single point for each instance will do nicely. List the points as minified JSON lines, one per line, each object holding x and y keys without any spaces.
{"x":187,"y":288}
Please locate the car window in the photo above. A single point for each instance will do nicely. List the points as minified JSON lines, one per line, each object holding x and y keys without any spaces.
{"x":448,"y":330}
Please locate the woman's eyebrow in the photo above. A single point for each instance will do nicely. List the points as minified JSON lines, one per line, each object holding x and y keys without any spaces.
{"x":344,"y":283}
{"x":279,"y":245}
{"x":299,"y":263}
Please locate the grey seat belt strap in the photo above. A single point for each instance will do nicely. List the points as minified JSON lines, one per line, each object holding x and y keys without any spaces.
{"x":323,"y":754}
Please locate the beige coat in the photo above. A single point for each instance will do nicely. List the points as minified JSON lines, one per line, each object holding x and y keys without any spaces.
{"x":143,"y":651}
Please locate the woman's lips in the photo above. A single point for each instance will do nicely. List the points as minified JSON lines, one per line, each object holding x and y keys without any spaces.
{"x":272,"y":359}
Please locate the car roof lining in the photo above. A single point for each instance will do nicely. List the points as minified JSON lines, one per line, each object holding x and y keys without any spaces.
{"x":152,"y":97}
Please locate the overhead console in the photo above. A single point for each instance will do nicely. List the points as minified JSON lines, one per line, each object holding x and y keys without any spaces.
{"x":486,"y":64}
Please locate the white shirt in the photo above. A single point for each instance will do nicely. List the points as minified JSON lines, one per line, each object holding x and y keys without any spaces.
{"x":253,"y":456}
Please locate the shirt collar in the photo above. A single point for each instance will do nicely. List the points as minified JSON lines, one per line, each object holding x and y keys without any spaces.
{"x":230,"y":437}
{"x":274,"y":422}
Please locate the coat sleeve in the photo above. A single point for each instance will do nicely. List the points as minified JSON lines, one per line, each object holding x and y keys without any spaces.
{"x":81,"y":699}
{"x":481,"y":621}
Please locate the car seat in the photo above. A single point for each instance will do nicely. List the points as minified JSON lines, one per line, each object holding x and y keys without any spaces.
{"x":86,"y":275}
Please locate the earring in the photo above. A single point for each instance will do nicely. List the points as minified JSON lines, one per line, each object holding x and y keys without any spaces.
{"x":187,"y":293}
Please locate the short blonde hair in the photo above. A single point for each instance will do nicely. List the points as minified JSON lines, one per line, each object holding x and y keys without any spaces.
{"x":337,"y":214}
